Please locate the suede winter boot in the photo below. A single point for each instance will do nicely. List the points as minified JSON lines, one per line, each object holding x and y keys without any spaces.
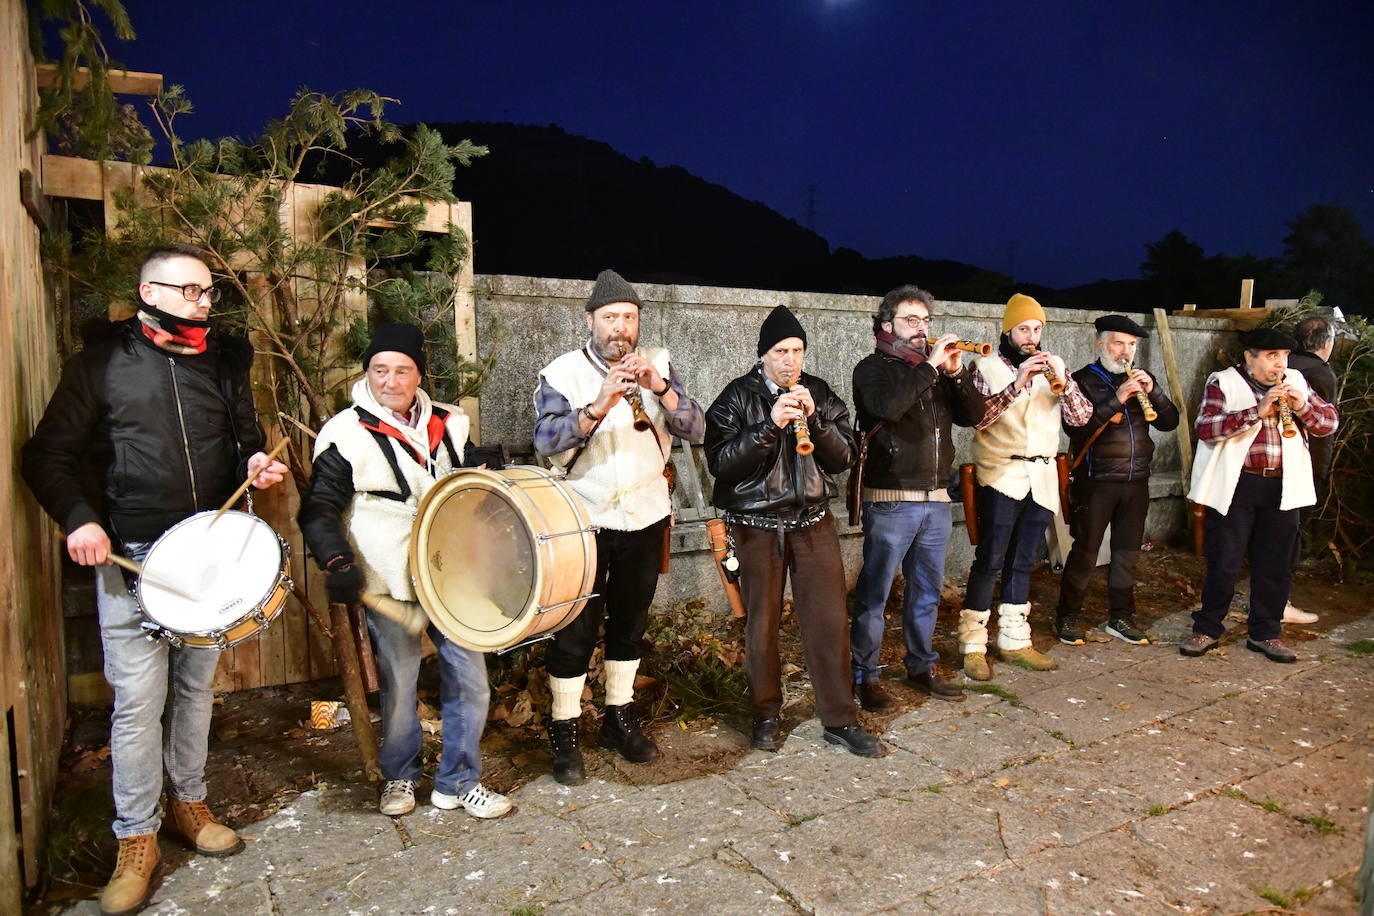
{"x":1014,"y":642}
{"x":973,"y":643}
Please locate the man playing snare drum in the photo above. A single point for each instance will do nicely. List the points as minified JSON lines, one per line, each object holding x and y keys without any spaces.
{"x":373,"y":463}
{"x":149,"y":425}
{"x":590,"y":405}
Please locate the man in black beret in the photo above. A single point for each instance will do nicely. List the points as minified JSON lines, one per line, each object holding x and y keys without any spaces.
{"x":606,"y":413}
{"x":373,"y":463}
{"x":775,"y":495}
{"x":1111,"y":478}
{"x":1253,"y":472}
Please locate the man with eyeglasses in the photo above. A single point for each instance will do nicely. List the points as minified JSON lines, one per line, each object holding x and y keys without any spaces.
{"x":908,"y":394}
{"x":149,"y":425}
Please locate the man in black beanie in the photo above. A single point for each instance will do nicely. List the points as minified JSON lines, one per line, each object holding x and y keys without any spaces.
{"x":1111,"y":478}
{"x":774,"y":439}
{"x":606,"y":413}
{"x":373,"y":463}
{"x":1253,"y":472}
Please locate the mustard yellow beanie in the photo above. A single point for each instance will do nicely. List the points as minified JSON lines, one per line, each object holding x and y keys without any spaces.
{"x":1021,"y":307}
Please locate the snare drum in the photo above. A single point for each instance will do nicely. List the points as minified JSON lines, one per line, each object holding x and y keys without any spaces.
{"x":500,"y":558}
{"x":212,"y":584}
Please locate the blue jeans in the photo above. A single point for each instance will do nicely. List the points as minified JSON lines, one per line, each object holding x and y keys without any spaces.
{"x":463,"y":697}
{"x":163,"y":701}
{"x":914,"y":535}
{"x":1009,"y":536}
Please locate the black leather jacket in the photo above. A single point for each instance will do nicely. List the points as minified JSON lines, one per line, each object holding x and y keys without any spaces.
{"x":918,"y":405}
{"x":1322,"y":379}
{"x":756,"y":465}
{"x":137,"y":438}
{"x":1124,"y":449}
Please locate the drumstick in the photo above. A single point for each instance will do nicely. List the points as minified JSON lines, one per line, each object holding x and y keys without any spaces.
{"x":243,"y":487}
{"x":411,"y":618}
{"x":135,"y":568}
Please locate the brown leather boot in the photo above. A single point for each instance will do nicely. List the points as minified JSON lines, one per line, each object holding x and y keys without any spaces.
{"x":129,"y":887}
{"x":195,"y":826}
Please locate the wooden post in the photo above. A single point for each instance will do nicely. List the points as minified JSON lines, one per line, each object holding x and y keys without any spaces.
{"x":465,"y":311}
{"x":354,"y":697}
{"x":1247,"y":293}
{"x":1185,"y":425}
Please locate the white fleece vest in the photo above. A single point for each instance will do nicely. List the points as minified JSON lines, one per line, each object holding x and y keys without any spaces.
{"x":1216,"y":467}
{"x":379,"y":527}
{"x":1030,"y":427}
{"x":620,"y":473}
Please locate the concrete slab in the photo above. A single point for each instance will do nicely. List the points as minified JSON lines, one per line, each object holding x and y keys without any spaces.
{"x":880,"y":855}
{"x":1329,"y":788}
{"x":531,"y":864}
{"x":673,"y":825}
{"x":977,"y":744}
{"x":1282,"y":722}
{"x":800,"y":786}
{"x":1088,"y":710}
{"x":546,"y":793}
{"x":1247,"y":851}
{"x":710,"y":886}
{"x":331,"y":825}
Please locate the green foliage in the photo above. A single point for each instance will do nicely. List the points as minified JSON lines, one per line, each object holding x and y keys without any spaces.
{"x":701,"y":657}
{"x":1156,"y":810}
{"x":299,"y":271}
{"x":995,"y":690}
{"x":1360,"y":648}
{"x":1321,"y":824}
{"x":80,"y":112}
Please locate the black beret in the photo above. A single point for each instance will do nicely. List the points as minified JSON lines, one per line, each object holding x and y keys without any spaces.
{"x":611,"y":287}
{"x":1267,"y":339}
{"x":1121,"y":324}
{"x":394,"y":337}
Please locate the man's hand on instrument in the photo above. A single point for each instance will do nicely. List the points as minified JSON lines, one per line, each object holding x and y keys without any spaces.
{"x":1297,"y":399}
{"x":1147,"y":384}
{"x":1268,"y":405}
{"x":1057,"y":365}
{"x":646,"y":376}
{"x":804,"y":400}
{"x":617,"y":383}
{"x":1029,"y":368}
{"x":942,"y":356}
{"x":787,"y":407}
{"x":273,"y":472}
{"x":1127,"y":389}
{"x":344,"y":584}
{"x":88,"y":545}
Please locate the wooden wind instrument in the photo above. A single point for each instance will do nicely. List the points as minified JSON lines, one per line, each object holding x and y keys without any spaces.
{"x":804,"y":444}
{"x":1055,"y":382}
{"x":635,"y":399}
{"x":968,"y":346}
{"x":1286,"y":424}
{"x":1146,"y":407}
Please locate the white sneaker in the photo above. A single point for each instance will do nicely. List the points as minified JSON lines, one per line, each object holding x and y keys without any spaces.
{"x":398,"y":797}
{"x":1293,"y":615}
{"x":479,"y":801}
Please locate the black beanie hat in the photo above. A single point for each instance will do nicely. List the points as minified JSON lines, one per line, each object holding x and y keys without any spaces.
{"x":611,"y":287}
{"x":1267,"y":339}
{"x":1121,"y":324}
{"x":394,"y":337}
{"x":779,"y":325}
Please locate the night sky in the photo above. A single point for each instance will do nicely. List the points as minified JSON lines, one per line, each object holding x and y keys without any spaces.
{"x":1051,"y":141}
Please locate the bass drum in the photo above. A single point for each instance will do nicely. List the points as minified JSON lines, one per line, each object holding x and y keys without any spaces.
{"x":501,"y":558}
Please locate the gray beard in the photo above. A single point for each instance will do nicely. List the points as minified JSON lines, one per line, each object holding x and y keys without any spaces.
{"x":1112,"y":366}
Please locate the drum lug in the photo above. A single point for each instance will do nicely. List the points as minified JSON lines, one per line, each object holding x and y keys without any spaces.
{"x":220,"y":642}
{"x":155,"y":633}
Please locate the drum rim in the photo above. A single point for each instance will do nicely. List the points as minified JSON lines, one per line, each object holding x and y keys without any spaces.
{"x":283,"y":577}
{"x":421,"y":581}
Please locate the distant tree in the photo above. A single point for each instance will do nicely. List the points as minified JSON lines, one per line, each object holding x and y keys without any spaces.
{"x":1327,"y":250}
{"x":1176,"y":269}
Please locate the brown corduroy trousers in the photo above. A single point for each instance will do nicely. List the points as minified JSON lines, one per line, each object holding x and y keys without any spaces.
{"x":812,"y":557}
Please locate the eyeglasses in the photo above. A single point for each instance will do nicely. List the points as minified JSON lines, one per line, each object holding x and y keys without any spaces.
{"x":191,"y":292}
{"x":915,"y":321}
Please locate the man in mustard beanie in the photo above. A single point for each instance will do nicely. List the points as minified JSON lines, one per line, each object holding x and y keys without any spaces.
{"x":1014,"y":448}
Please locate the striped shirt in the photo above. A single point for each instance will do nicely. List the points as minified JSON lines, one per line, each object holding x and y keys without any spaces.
{"x":1215,"y":424}
{"x":1077,"y":409}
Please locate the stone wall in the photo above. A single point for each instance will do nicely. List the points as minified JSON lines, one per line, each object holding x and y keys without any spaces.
{"x":712,"y":332}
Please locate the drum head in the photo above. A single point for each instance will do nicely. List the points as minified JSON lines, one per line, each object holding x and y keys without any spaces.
{"x":479,"y":562}
{"x":200,"y":578}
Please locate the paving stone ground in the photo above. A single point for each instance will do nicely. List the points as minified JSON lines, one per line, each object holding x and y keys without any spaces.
{"x":1132,"y":780}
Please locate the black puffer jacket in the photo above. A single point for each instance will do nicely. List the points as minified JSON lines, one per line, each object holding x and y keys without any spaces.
{"x":918,"y":405}
{"x":756,"y":465}
{"x":138,"y":439}
{"x":1123,"y":451}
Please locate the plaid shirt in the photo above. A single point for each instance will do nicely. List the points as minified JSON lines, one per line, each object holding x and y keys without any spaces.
{"x":1076,"y":407}
{"x":1214,"y":424}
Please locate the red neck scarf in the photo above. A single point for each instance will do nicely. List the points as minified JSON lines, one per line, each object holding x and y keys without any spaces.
{"x":192,"y":340}
{"x":891,"y":345}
